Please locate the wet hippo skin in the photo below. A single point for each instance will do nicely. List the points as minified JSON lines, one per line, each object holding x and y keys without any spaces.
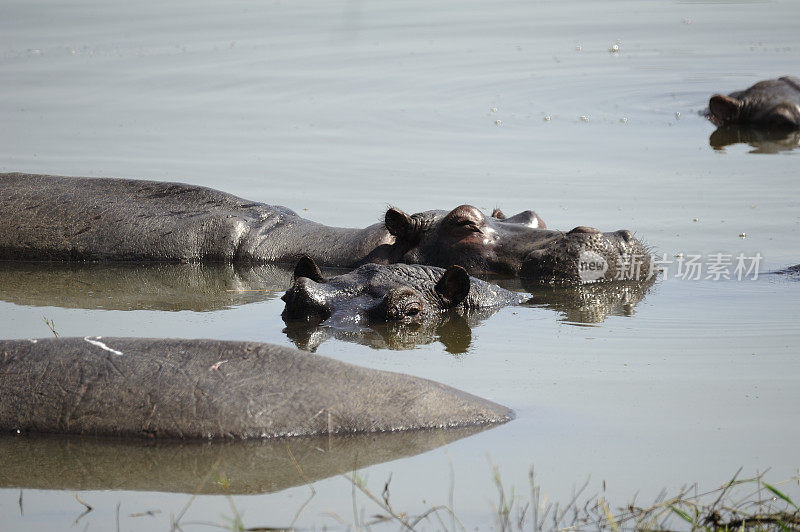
{"x":70,"y":218}
{"x":214,"y":389}
{"x":399,"y":293}
{"x":772,"y":103}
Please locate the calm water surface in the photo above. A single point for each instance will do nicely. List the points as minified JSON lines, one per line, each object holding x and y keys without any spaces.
{"x":337,"y":109}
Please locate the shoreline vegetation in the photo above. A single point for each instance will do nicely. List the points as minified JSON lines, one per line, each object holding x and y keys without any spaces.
{"x":739,"y":504}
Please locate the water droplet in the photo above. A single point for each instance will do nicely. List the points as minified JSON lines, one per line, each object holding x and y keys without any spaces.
{"x":584,"y":118}
{"x":498,"y":122}
{"x":546,"y":118}
{"x":493,"y":109}
{"x":614,"y":49}
{"x":677,"y":115}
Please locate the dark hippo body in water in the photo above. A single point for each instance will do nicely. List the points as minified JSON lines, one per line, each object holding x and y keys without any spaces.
{"x":70,"y":218}
{"x":399,"y":293}
{"x":773,"y":103}
{"x":214,"y":389}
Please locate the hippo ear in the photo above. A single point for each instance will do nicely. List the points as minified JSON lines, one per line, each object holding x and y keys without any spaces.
{"x":306,"y":267}
{"x":497,"y":213}
{"x":453,"y":287}
{"x":724,"y":108}
{"x":398,"y":223}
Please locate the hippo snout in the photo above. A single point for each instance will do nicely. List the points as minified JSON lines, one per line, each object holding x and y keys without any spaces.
{"x":586,"y":254}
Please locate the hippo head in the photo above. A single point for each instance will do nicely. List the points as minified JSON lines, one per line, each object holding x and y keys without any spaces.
{"x":773,"y":103}
{"x":399,"y":293}
{"x":520,"y":245}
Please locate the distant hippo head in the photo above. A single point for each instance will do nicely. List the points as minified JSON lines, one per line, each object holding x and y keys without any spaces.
{"x":773,"y":103}
{"x":519,"y":245}
{"x":399,"y":293}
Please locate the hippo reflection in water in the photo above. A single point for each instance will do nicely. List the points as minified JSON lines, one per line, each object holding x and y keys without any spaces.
{"x":762,"y":140}
{"x":67,"y":218}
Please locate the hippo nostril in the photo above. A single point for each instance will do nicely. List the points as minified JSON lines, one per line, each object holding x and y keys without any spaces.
{"x":585,"y":230}
{"x":626,"y":235}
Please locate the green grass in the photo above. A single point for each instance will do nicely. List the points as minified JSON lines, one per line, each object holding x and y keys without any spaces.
{"x":739,"y":504}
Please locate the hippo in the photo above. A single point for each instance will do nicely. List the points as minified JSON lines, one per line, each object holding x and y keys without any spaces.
{"x":212,"y":389}
{"x":773,"y":103}
{"x":400,"y":293}
{"x":395,"y":306}
{"x":401,"y":306}
{"x":46,"y":217}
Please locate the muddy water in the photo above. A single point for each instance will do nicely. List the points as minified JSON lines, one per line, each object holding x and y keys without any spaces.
{"x":583,"y":111}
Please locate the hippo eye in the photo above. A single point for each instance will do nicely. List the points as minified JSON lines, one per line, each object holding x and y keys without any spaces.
{"x":464,"y":220}
{"x":468,"y":225}
{"x":400,"y":304}
{"x":413,"y":310}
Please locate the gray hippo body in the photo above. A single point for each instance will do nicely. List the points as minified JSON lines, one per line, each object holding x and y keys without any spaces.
{"x":214,"y":389}
{"x":70,"y":218}
{"x":773,"y":103}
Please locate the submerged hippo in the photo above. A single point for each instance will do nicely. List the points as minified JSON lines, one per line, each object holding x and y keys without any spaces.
{"x":399,"y":293}
{"x":214,"y":389}
{"x":73,"y":218}
{"x":774,"y":103}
